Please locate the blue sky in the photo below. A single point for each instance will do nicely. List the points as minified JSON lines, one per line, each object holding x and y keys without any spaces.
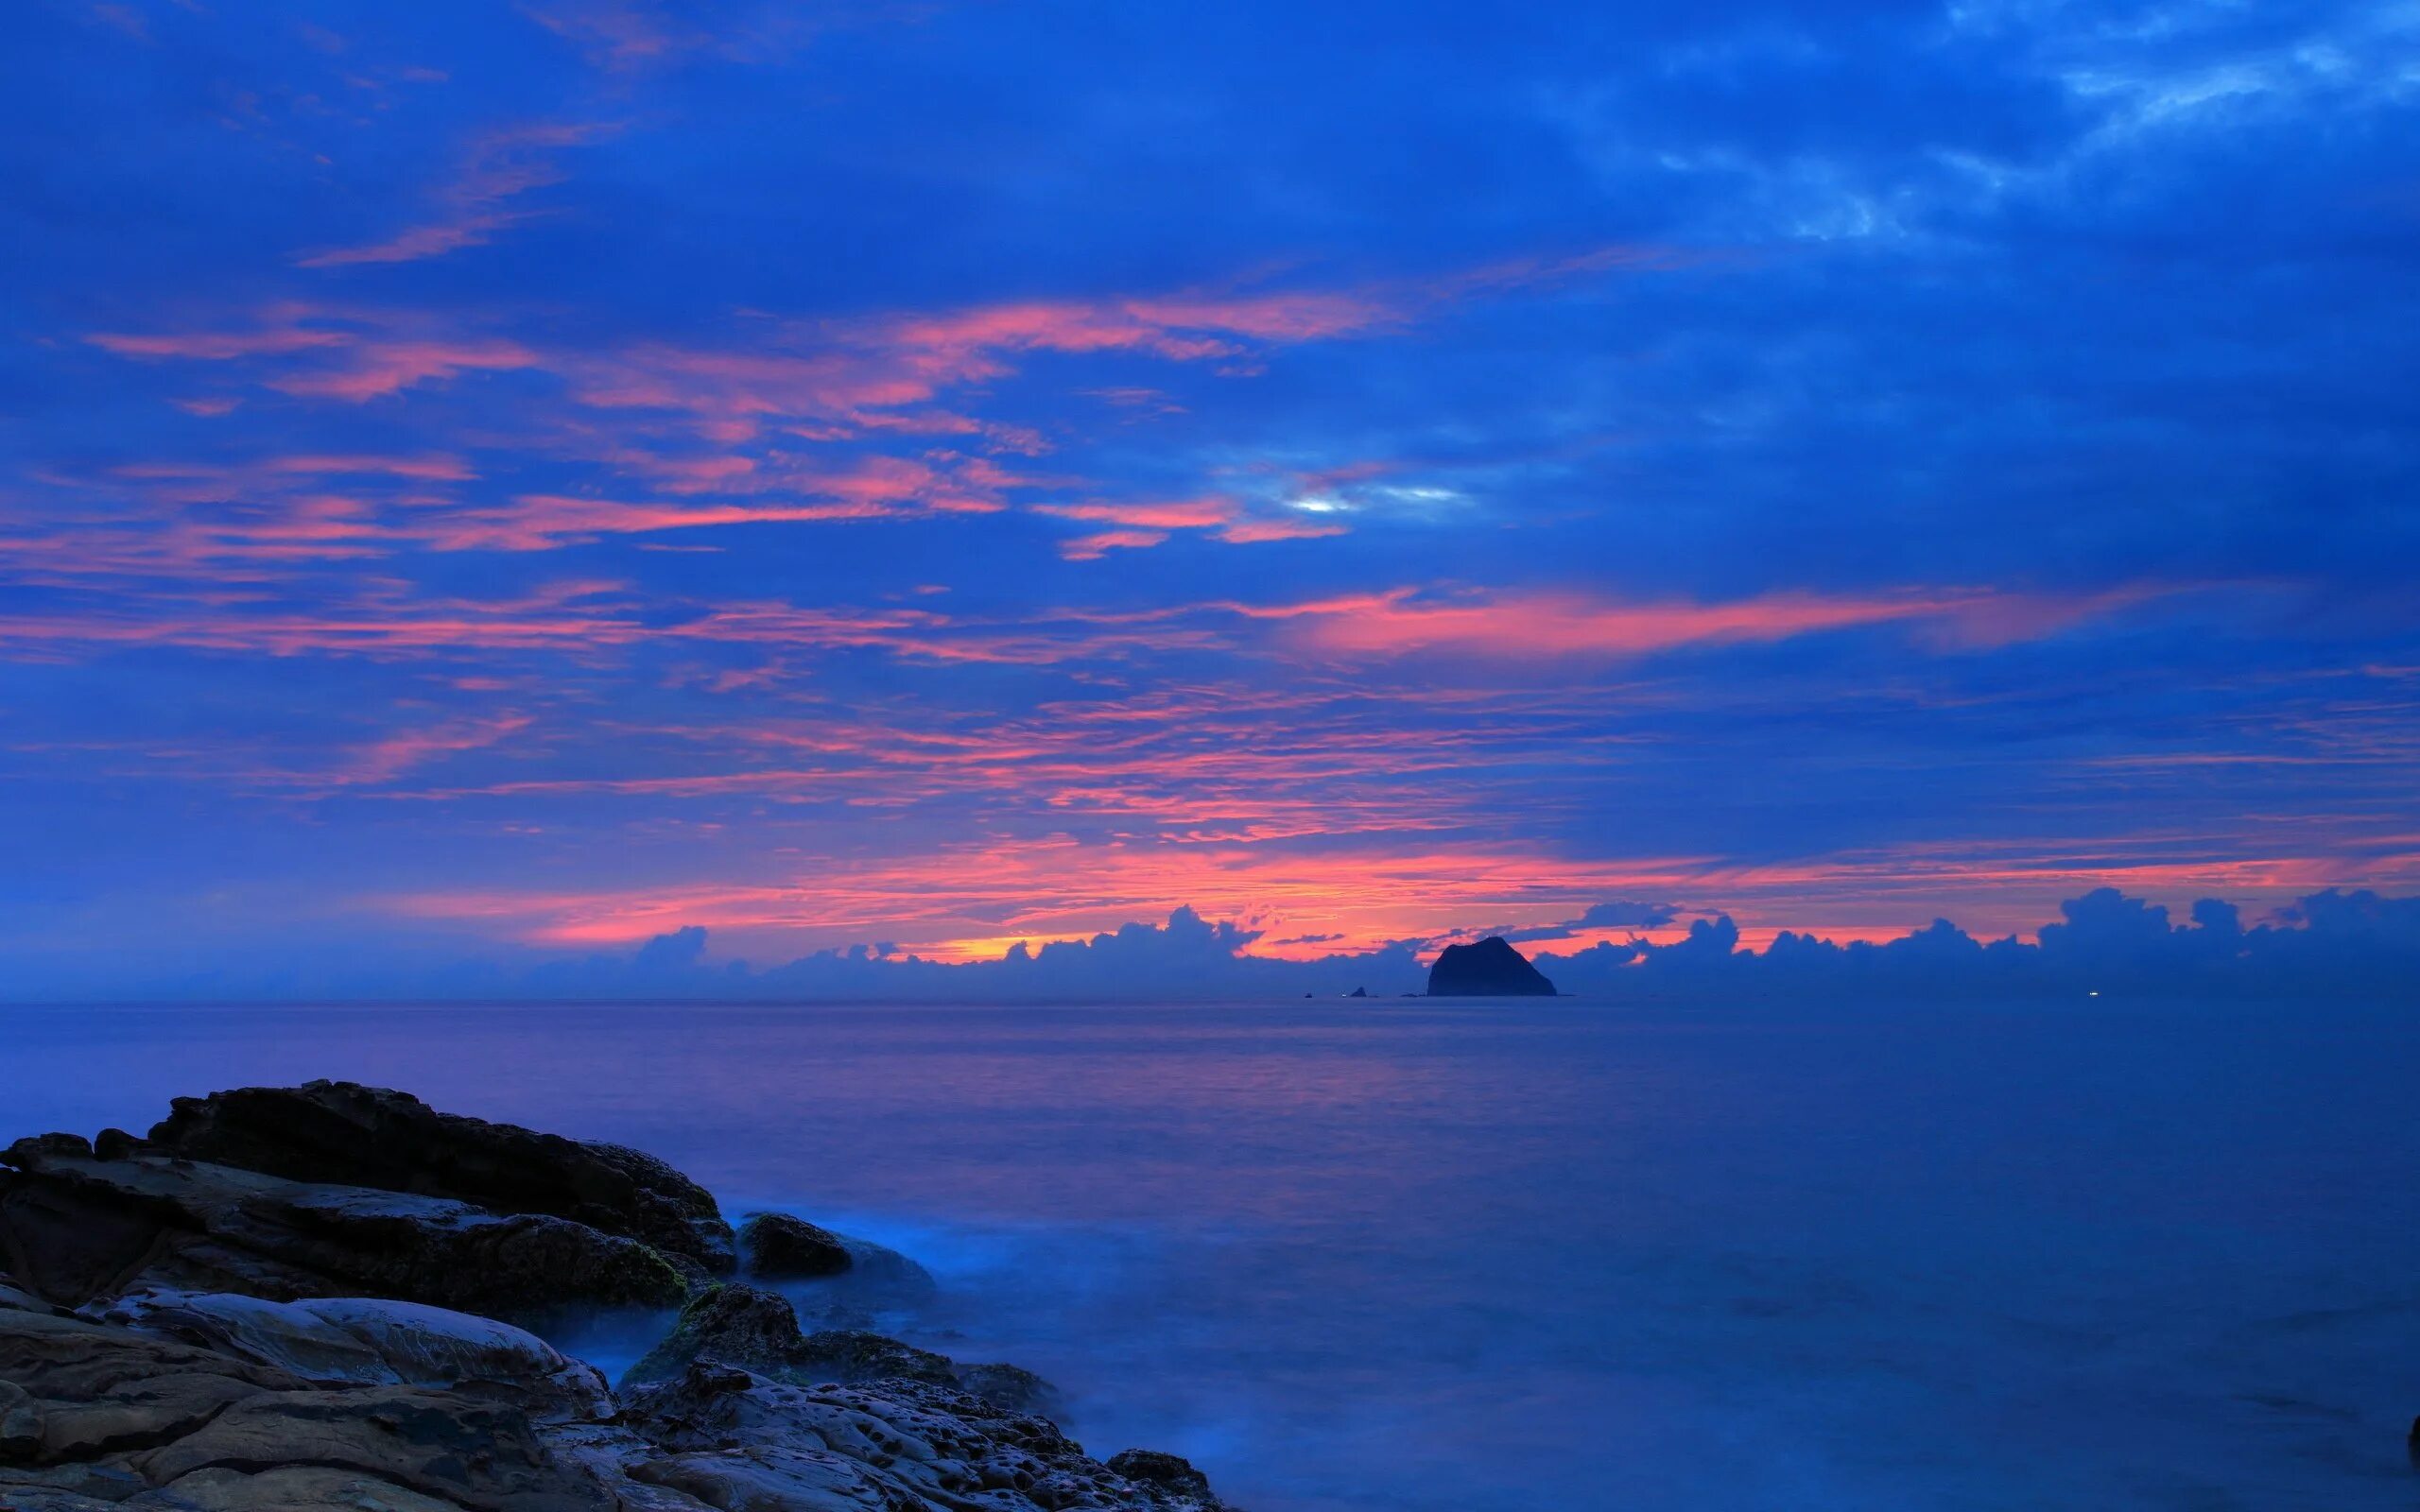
{"x":484,"y":482}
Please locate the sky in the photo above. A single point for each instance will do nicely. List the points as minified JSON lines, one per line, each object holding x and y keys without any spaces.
{"x":489,"y":484}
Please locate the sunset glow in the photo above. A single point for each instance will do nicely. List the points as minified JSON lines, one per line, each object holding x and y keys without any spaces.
{"x":534,"y":479}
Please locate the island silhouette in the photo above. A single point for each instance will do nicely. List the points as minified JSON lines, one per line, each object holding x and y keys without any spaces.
{"x":1489,"y":968}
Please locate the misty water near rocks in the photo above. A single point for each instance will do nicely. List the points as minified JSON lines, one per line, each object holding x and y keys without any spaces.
{"x":1498,"y":1255}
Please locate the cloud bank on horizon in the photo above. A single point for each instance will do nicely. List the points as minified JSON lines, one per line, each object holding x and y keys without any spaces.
{"x":496,"y":483}
{"x":2332,"y":944}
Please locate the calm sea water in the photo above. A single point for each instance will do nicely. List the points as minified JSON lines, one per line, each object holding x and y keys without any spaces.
{"x":1412,"y":1256}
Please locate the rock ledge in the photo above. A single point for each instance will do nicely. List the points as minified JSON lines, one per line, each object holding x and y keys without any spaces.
{"x":288,"y":1300}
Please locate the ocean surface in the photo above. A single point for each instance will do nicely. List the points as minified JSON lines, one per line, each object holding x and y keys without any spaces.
{"x":1408,"y":1255}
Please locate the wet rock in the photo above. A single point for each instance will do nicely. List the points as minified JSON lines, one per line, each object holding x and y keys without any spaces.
{"x":88,"y":1389}
{"x":76,"y":1228}
{"x":905,"y":1444}
{"x":1491,"y":969}
{"x":47,"y":1499}
{"x":370,"y":1341}
{"x":157,"y":1424}
{"x":736,"y":1324}
{"x":338,"y":1133}
{"x":1166,"y":1473}
{"x":20,"y":1425}
{"x":851,"y":1355}
{"x":224,"y":1356}
{"x":854,"y":1278}
{"x":768,"y":1478}
{"x":471,"y":1454}
{"x":748,"y":1328}
{"x":1013,"y":1388}
{"x":287,"y":1488}
{"x":781,"y":1247}
{"x":28,"y":1487}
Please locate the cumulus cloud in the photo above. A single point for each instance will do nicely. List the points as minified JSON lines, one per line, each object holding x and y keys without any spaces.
{"x":1617,"y":914}
{"x":2331,"y":944}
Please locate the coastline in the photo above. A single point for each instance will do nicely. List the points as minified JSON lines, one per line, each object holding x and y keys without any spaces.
{"x":316,"y":1296}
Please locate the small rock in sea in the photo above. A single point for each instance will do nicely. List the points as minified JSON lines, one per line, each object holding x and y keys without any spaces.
{"x":781,"y":1247}
{"x":1358,"y":992}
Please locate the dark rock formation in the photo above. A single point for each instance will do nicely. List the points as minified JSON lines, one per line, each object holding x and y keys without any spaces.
{"x":758,"y":1331}
{"x":1013,"y":1388}
{"x":222,"y":1361}
{"x":355,"y":1341}
{"x":1148,"y":1467}
{"x":736,"y":1439}
{"x":735,"y":1324}
{"x":339,"y":1133}
{"x":781,"y":1247}
{"x":1490,"y":968}
{"x":95,"y":1416}
{"x":75,"y":1228}
{"x":121,"y":1413}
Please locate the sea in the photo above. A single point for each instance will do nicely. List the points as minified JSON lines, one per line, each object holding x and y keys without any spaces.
{"x":1549,"y":1254}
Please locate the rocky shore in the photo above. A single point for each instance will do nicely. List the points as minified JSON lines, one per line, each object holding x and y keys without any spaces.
{"x":285,"y":1299}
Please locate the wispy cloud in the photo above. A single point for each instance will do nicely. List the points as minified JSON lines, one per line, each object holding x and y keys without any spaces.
{"x":502,"y":168}
{"x":1144,"y":525}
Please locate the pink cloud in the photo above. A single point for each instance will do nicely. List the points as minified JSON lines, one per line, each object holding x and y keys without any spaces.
{"x":1252,"y":532}
{"x":349,"y":354}
{"x":1549,"y":624}
{"x":1552,"y":624}
{"x":1093,"y":547}
{"x":1149,"y":524}
{"x":500,"y":167}
{"x":378,"y":368}
{"x":219,"y":346}
{"x":384,"y":759}
{"x":435,"y":467}
{"x":1286,"y":316}
{"x":1179,"y":514}
{"x":829,"y":380}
